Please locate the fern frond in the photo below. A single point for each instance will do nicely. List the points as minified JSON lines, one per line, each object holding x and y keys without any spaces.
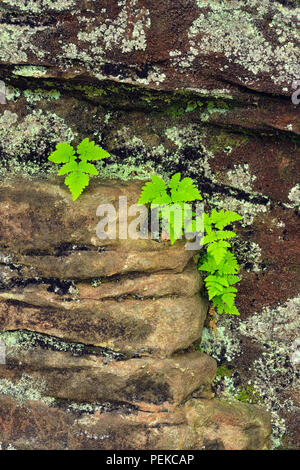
{"x":76,"y":182}
{"x":153,"y":190}
{"x":63,"y":153}
{"x":218,"y":235}
{"x":218,"y":250}
{"x":223,"y":218}
{"x":87,"y":168}
{"x":68,"y":167}
{"x":90,"y":151}
{"x":185,"y":191}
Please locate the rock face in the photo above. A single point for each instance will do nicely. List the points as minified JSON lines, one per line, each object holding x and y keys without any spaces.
{"x":209,"y":88}
{"x":105,"y":361}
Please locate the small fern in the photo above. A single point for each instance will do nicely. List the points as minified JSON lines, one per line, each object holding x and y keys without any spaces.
{"x":218,"y":261}
{"x":77,"y":172}
{"x":176,"y":193}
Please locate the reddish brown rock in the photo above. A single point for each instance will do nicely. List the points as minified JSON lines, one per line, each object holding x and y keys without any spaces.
{"x":32,"y":425}
{"x":228,"y":425}
{"x":148,"y":383}
{"x":159,"y":326}
{"x":197,"y":45}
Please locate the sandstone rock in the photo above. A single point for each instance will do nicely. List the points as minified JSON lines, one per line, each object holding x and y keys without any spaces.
{"x":41,"y":217}
{"x":132,"y":315}
{"x":184,"y":284}
{"x":136,"y":43}
{"x":159,"y":326}
{"x":228,"y":425}
{"x":120,"y":287}
{"x":149,"y":383}
{"x":34,"y":425}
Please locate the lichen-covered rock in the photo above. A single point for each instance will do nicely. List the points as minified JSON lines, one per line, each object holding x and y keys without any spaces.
{"x":205,"y":90}
{"x":199,"y":425}
{"x":34,"y":425}
{"x":159,"y":326}
{"x":197,"y":45}
{"x":95,"y":376}
{"x":228,"y":425}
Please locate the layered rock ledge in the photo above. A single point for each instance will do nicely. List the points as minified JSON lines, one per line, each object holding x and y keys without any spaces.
{"x":101,"y":336}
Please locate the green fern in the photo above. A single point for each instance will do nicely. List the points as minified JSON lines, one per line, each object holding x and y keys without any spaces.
{"x":77,"y":172}
{"x":177,"y":192}
{"x":218,"y":261}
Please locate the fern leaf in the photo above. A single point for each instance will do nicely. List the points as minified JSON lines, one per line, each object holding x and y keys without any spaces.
{"x":218,"y":235}
{"x":218,"y":303}
{"x":218,"y":250}
{"x":229,"y":264}
{"x":223,"y":307}
{"x":214,"y":289}
{"x":152,"y":190}
{"x":208,"y":264}
{"x":233,"y":279}
{"x":87,"y":168}
{"x":175,"y":181}
{"x":185,"y":191}
{"x":172,"y":217}
{"x":68,"y":167}
{"x":207,"y":224}
{"x":76,"y":182}
{"x":223,"y":218}
{"x":162,"y":199}
{"x":228,"y":298}
{"x":89,"y":151}
{"x":218,"y":279}
{"x":63,"y":153}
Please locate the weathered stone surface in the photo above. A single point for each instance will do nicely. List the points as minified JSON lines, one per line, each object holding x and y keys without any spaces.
{"x":205,"y":90}
{"x":149,"y":383}
{"x":133,"y":285}
{"x":41,"y":217}
{"x":159,"y":326}
{"x":228,"y":425}
{"x":184,"y":284}
{"x":34,"y":425}
{"x":198,"y":45}
{"x":132,"y":313}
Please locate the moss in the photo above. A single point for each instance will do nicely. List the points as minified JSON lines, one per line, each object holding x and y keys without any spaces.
{"x":223,"y":371}
{"x":249,"y":395}
{"x":225,"y":141}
